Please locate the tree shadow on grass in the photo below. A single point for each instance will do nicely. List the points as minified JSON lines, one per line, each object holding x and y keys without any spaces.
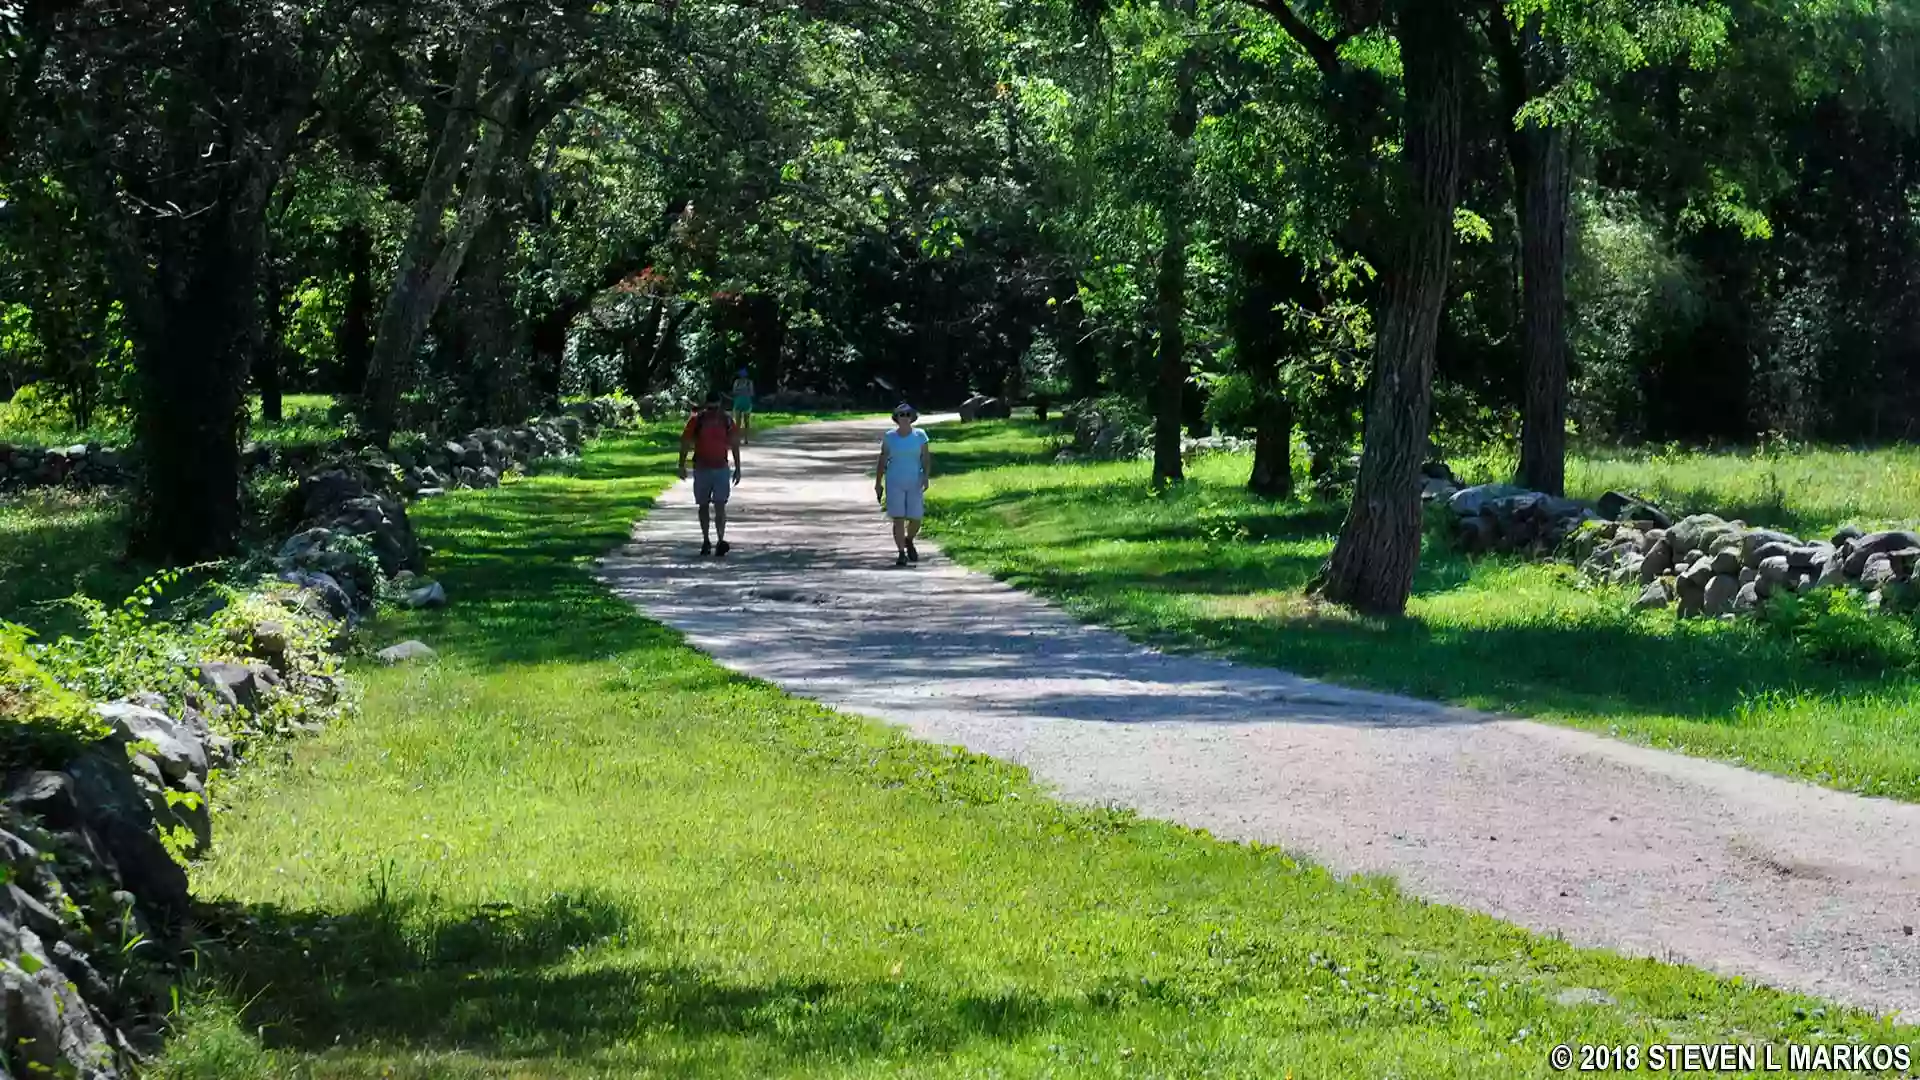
{"x":569,"y":979}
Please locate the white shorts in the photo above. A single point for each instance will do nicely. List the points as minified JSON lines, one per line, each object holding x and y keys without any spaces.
{"x":906,"y":501}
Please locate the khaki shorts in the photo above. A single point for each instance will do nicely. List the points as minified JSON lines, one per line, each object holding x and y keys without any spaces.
{"x":712,"y":486}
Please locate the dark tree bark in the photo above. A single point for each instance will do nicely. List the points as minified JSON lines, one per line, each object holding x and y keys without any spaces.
{"x":1171,"y":309}
{"x":1542,"y":182}
{"x":267,"y":375}
{"x":194,"y":335}
{"x":1268,"y":277}
{"x":1373,"y":562}
{"x":354,"y":339}
{"x":1170,"y":294}
{"x":1272,"y":475}
{"x":1543,"y":266}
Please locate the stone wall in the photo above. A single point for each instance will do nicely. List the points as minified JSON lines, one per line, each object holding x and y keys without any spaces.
{"x":94,"y":905}
{"x":1699,"y":565}
{"x":82,"y":465}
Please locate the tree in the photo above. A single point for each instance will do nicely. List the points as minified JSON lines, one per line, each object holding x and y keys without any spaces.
{"x":1373,"y":561}
{"x":174,"y":170}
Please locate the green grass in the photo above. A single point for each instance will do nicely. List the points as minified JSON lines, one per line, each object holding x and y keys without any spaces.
{"x":1208,"y":566}
{"x":577,"y":848}
{"x":303,"y":419}
{"x":1808,"y":491}
{"x":54,"y":543}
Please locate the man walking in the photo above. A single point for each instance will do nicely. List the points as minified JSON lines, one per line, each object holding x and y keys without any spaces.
{"x":900,"y":480}
{"x":711,"y":437}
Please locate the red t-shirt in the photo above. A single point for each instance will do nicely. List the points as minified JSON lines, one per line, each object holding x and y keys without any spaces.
{"x":712,"y":438}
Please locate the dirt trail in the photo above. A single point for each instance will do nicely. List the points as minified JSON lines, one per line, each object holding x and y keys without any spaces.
{"x":1611,"y":845}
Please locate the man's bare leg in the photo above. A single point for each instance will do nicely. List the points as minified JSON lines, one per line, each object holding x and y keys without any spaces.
{"x":900,"y":534}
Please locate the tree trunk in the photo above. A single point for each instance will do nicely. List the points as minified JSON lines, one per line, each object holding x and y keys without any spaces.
{"x":636,"y":370}
{"x":1373,"y":562}
{"x":430,"y":261}
{"x":191,"y":373}
{"x":354,"y":339}
{"x":1171,"y":309}
{"x":1546,"y":182}
{"x":266,"y":361}
{"x":1272,"y":475}
{"x":1171,"y":288}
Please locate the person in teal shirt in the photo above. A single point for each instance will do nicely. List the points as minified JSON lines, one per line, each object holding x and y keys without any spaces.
{"x":901,"y":478}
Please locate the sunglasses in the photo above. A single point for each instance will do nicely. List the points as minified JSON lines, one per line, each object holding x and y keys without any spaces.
{"x":904,"y":415}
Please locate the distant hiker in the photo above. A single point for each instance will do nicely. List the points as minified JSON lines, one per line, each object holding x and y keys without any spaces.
{"x":711,"y":437}
{"x":743,"y":404}
{"x":900,"y":480}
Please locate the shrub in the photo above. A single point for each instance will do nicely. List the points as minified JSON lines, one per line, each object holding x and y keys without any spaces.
{"x":34,"y":707}
{"x":1835,"y":625}
{"x":126,"y":650}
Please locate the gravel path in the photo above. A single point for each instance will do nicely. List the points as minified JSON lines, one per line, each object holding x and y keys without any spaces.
{"x":1611,"y":845}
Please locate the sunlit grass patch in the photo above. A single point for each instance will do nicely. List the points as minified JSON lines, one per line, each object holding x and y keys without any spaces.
{"x":1207,"y":565}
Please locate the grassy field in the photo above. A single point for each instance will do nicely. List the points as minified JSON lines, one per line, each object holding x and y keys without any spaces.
{"x":1208,"y":566}
{"x":576,"y":848}
{"x":303,"y":419}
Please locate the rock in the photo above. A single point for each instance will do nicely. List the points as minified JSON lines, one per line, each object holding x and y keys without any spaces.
{"x":405,"y":652}
{"x":430,"y":595}
{"x":1752,"y":543}
{"x":1720,"y":592}
{"x":995,"y":409}
{"x":1470,"y":501}
{"x":1431,"y":488}
{"x":1876,"y":571}
{"x":1746,"y":574}
{"x":1726,"y":561}
{"x":1658,"y":562}
{"x":1748,"y":598}
{"x":1438,"y":470}
{"x":1832,"y":572}
{"x":230,"y":684}
{"x":1658,"y":594}
{"x":1699,"y":573}
{"x":1776,"y":569}
{"x":177,"y":752}
{"x":1873,"y":544}
{"x":1770,"y":550}
{"x":1846,"y":533}
{"x":333,"y":600}
{"x":1809,"y":556}
{"x":1903,"y":562}
{"x":269,"y":641}
{"x":1475,"y":534}
{"x":970,"y":409}
{"x":1696,"y":531}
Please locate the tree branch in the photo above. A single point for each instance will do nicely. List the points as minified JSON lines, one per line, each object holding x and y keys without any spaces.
{"x":1325,"y":53}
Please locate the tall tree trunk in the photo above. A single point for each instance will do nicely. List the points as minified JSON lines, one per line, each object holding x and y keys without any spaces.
{"x":1543,"y":193}
{"x":1171,"y":309}
{"x":636,"y":370}
{"x":1373,"y":562}
{"x":1543,"y":267}
{"x":267,"y":376}
{"x":1272,"y":475}
{"x":191,"y":375}
{"x":354,"y":339}
{"x":1170,"y":300}
{"x":430,"y":261}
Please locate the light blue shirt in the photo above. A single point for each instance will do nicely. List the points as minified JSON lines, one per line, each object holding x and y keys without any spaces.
{"x":903,"y":457}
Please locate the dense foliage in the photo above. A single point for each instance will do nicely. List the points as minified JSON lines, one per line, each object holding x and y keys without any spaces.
{"x":1634,"y":220}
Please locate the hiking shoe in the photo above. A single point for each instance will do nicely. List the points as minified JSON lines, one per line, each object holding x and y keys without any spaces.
{"x":722,"y":550}
{"x":913,"y":553}
{"x":706,"y":548}
{"x":902,"y":560}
